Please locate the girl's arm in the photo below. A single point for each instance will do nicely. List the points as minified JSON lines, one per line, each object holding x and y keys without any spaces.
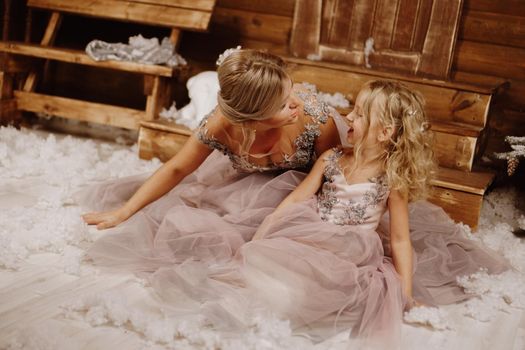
{"x":189,"y":158}
{"x":307,"y":188}
{"x":400,"y":240}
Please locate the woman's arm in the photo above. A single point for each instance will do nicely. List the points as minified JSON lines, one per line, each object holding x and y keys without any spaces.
{"x":189,"y":158}
{"x":307,"y":188}
{"x":400,"y":240}
{"x":329,"y":137}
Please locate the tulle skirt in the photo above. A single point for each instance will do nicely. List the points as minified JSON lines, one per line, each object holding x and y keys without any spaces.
{"x":194,"y":245}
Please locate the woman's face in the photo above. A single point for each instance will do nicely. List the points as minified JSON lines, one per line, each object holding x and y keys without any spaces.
{"x":289,"y":111}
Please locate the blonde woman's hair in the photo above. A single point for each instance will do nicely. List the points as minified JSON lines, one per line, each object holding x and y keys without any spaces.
{"x":408,"y":159}
{"x":251,"y":88}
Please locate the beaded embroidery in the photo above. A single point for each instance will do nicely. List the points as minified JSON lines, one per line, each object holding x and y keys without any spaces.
{"x":354,"y":210}
{"x":304,"y":154}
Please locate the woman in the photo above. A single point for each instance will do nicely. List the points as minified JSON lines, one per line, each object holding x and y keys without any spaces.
{"x":210,"y":198}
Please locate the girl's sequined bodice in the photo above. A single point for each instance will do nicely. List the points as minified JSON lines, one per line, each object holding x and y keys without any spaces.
{"x":304,"y":155}
{"x":360,"y":204}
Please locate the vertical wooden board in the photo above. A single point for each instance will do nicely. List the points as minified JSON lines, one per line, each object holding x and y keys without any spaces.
{"x":361,"y":25}
{"x":460,"y":206}
{"x":6,"y":86}
{"x":437,"y":54}
{"x":405,"y":25}
{"x":335,"y":24}
{"x":306,"y":28}
{"x":384,"y":24}
{"x":424,"y":12}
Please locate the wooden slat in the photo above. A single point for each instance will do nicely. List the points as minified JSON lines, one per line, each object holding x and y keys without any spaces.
{"x":6,"y":86}
{"x":159,"y":144}
{"x":167,"y":126}
{"x":473,"y":182}
{"x":335,"y":29}
{"x":8,"y":110}
{"x":76,"y":56}
{"x":489,"y":59}
{"x":79,"y":110}
{"x":437,"y":54}
{"x":460,"y":206}
{"x":454,"y":151}
{"x":405,"y":28}
{"x":306,"y":29}
{"x":384,"y":23}
{"x":202,"y":5}
{"x":509,"y":7}
{"x":133,"y":12}
{"x":273,"y":7}
{"x":252,"y":25}
{"x":492,"y":28}
{"x":160,"y":97}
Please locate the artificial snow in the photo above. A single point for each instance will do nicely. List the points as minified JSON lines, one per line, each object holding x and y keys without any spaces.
{"x":39,"y":174}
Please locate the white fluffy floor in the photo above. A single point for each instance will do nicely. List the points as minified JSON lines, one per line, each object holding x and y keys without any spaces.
{"x":51,"y":299}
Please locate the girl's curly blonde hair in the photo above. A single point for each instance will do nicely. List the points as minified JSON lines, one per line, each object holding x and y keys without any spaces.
{"x":408,"y":159}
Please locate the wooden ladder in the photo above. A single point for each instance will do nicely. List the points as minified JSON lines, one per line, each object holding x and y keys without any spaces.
{"x":178,"y":15}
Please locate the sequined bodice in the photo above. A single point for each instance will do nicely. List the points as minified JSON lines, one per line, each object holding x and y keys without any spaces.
{"x":360,"y":204}
{"x":304,"y":152}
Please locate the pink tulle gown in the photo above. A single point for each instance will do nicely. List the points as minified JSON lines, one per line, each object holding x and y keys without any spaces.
{"x":324,"y":264}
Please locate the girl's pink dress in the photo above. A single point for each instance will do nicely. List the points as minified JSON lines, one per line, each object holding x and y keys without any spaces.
{"x":324,"y":264}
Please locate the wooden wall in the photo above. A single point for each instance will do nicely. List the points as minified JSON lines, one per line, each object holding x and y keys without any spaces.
{"x":491,"y":41}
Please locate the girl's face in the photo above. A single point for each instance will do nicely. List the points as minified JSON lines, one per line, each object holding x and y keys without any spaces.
{"x":289,"y":111}
{"x":362,"y":130}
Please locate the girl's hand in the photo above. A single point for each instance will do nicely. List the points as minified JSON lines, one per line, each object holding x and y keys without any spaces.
{"x":106,"y":219}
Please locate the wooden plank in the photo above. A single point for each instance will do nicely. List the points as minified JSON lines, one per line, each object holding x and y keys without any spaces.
{"x":460,"y":129}
{"x":405,"y":26}
{"x":8,"y":111}
{"x":473,"y":182}
{"x":460,"y":206}
{"x":509,"y":7}
{"x":490,"y":59}
{"x":335,"y":26}
{"x":383,"y":24}
{"x":159,"y":98}
{"x":273,"y":7}
{"x":252,"y":25}
{"x":79,"y":110}
{"x":361,"y":26}
{"x":444,"y":103}
{"x":6,"y":86}
{"x":306,"y":28}
{"x":167,"y":126}
{"x":160,"y":144}
{"x":492,"y":28}
{"x":202,"y":5}
{"x":79,"y":57}
{"x":437,"y":55}
{"x":132,"y":12}
{"x":454,"y":151}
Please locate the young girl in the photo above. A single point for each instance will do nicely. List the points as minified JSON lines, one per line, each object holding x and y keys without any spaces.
{"x":329,"y":258}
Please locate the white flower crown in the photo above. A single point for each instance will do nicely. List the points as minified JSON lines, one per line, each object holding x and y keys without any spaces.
{"x":225,"y":54}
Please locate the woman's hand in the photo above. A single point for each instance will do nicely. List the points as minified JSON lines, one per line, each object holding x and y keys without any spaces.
{"x":105,"y":219}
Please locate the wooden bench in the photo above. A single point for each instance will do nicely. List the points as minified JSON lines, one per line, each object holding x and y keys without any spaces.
{"x":458,"y":111}
{"x":177,"y":15}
